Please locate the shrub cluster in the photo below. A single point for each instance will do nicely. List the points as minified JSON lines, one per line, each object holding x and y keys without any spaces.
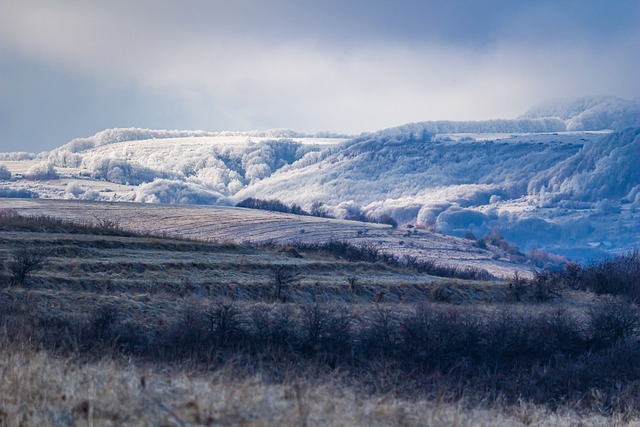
{"x":14,"y":193}
{"x":10,"y":220}
{"x":618,"y":276}
{"x":435,"y":268}
{"x":365,"y":252}
{"x":271,"y":205}
{"x":427,"y":336}
{"x":496,"y":239}
{"x":543,"y":354}
{"x":317,"y":209}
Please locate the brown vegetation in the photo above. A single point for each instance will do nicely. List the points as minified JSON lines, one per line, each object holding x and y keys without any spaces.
{"x":186,"y":332}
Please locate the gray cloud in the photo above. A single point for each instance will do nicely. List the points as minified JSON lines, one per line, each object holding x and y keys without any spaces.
{"x":346,"y":66}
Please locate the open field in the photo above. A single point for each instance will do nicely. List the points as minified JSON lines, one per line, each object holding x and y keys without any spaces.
{"x":119,"y":328}
{"x":249,"y":226}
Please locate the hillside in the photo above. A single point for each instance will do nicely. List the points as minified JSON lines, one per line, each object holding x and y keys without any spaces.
{"x":555,"y":191}
{"x":560,"y":178}
{"x":248,"y":226}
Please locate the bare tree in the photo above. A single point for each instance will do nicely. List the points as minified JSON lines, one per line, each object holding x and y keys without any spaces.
{"x":283,"y":276}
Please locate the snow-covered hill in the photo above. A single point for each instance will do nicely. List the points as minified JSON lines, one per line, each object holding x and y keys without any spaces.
{"x":591,"y":113}
{"x":563,"y":178}
{"x":182,"y":166}
{"x":540,"y":190}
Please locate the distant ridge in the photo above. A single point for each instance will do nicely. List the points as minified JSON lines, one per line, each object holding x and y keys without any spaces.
{"x":590,"y":113}
{"x":111,"y":136}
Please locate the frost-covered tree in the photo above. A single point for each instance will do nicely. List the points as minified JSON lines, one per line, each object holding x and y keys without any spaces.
{"x":5,"y":175}
{"x":42,"y":171}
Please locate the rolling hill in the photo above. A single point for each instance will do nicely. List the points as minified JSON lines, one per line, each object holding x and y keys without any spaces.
{"x":560,"y":178}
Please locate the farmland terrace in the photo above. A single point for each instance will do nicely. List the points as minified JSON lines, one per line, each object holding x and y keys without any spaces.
{"x":249,"y":226}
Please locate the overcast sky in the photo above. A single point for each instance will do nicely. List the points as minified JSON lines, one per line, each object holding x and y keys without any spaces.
{"x":70,"y":68}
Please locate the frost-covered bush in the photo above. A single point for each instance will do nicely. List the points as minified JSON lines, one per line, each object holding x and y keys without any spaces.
{"x":174,"y":192}
{"x":74,"y":190}
{"x":607,"y":207}
{"x":428,"y":215}
{"x":5,"y":174}
{"x":9,"y":193}
{"x":64,"y":158}
{"x":42,"y":171}
{"x":349,"y":210}
{"x":460,"y":219}
{"x":91,"y":195}
{"x":123,"y":172}
{"x":219,"y":178}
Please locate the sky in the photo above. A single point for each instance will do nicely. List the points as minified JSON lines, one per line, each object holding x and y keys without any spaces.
{"x":71,"y":68}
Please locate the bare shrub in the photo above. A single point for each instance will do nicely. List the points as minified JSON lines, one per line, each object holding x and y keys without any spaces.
{"x":543,"y":259}
{"x":572,"y":275}
{"x":545,"y":286}
{"x":380,"y":335}
{"x":187,"y":336}
{"x":556,"y":333}
{"x":102,"y":324}
{"x":507,"y":338}
{"x":354,"y":286}
{"x":618,"y":276}
{"x":612,"y":319}
{"x":325,"y":331}
{"x":315,"y":322}
{"x":282,"y":331}
{"x":23,"y":263}
{"x":108,"y":224}
{"x":496,"y":239}
{"x":131,"y":337}
{"x":600,"y":379}
{"x":517,"y":287}
{"x":11,"y":220}
{"x":442,"y":294}
{"x":271,"y":205}
{"x":226,"y":325}
{"x":439,"y":338}
{"x":272,"y":329}
{"x":369,"y":252}
{"x":439,"y":269}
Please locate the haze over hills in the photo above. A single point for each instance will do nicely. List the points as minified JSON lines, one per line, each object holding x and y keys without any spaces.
{"x":562,"y":178}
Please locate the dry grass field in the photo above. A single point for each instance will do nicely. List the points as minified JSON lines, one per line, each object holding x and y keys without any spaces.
{"x":100,"y":325}
{"x":251,"y":226}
